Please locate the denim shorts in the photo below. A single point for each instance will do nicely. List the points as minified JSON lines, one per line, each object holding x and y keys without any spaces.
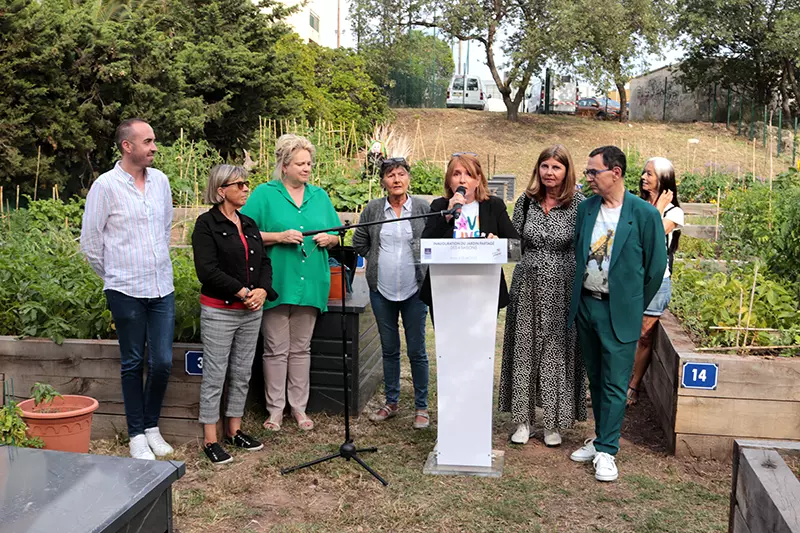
{"x":661,"y":300}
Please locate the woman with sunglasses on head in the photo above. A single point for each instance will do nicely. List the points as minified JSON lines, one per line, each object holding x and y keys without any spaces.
{"x":542,"y":366}
{"x":658,"y":187}
{"x":283,"y":209}
{"x":481,"y":214}
{"x":236,"y":278}
{"x":394,"y":282}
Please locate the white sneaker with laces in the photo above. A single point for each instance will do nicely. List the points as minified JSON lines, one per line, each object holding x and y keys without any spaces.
{"x":157,"y":442}
{"x":605,"y":467}
{"x":585,"y":453}
{"x":552,"y":438}
{"x":522,"y":434}
{"x":140,"y":449}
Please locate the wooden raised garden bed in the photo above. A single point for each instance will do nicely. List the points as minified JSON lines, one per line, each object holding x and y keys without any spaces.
{"x":92,"y":368}
{"x":765,"y":496}
{"x":755,"y":397}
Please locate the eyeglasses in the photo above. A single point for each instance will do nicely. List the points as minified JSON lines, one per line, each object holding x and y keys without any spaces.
{"x":456,"y":154}
{"x":303,"y":250}
{"x":240,"y":184}
{"x":593,"y":173}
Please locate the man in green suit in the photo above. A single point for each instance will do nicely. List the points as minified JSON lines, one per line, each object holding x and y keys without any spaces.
{"x":620,"y":257}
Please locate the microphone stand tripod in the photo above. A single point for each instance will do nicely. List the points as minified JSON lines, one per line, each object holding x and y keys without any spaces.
{"x":348,"y":450}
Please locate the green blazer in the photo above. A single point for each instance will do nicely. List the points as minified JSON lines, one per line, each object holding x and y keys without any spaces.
{"x":638,"y":260}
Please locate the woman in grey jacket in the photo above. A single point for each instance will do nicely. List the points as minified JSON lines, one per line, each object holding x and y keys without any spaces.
{"x":394,"y":279}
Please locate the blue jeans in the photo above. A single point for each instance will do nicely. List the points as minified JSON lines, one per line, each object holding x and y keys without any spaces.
{"x":141,"y":321}
{"x":414,"y":313}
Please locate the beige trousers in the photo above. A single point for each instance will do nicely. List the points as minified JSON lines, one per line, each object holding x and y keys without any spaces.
{"x":287,"y":333}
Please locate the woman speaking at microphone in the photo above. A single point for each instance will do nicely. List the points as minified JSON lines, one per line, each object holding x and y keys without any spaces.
{"x":480,"y":214}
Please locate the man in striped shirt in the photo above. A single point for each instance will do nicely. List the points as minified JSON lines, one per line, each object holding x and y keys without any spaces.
{"x":125,"y":236}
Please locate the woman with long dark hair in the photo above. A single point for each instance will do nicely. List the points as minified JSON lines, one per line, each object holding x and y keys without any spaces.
{"x":658,"y":187}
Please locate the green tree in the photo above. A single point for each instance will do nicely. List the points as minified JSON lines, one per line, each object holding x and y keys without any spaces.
{"x":749,"y":45}
{"x":522,"y":29}
{"x":618,"y":38}
{"x":329,"y":84}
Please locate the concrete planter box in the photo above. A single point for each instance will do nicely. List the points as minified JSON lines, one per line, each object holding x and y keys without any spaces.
{"x":756,"y":398}
{"x":765,"y":496}
{"x":92,"y":368}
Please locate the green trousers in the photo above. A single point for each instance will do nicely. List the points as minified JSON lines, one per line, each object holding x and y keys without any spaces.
{"x":608,"y":364}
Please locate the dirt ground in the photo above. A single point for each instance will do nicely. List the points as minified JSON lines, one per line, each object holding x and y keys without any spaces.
{"x":541,"y":490}
{"x":512,"y":148}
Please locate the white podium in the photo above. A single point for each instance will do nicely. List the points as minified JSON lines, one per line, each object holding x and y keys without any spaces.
{"x":465,"y":280}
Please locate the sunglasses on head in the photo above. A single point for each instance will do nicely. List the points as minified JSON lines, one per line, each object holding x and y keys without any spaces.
{"x":456,"y":154}
{"x":240,"y":184}
{"x":393,"y":161}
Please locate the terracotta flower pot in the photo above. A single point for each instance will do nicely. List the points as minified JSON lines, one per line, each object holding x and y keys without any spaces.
{"x":64,"y":425}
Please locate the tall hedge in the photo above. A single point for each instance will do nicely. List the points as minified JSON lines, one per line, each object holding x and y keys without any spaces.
{"x":71,"y":71}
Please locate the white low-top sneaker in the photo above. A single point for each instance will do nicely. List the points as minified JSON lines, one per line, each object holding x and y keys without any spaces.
{"x":522,"y":434}
{"x":605,"y":467}
{"x":585,"y":453}
{"x":157,"y":442}
{"x":552,"y":438}
{"x":140,"y":449}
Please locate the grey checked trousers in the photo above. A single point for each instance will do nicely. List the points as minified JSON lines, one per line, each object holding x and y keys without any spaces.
{"x":229,"y":340}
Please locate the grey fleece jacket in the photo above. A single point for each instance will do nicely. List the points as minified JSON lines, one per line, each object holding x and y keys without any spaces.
{"x":367,"y":241}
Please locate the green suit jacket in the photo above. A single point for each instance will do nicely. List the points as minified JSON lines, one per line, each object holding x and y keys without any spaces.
{"x":636,"y":269}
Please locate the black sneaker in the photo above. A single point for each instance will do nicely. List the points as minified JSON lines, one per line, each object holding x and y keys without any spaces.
{"x":216,"y":454}
{"x":244,"y":441}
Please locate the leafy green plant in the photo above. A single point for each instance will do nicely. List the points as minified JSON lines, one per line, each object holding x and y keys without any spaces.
{"x":696,"y":248}
{"x":427,"y":177}
{"x":703,"y":188}
{"x":705,"y":296}
{"x":43,"y":393}
{"x":13,"y":430}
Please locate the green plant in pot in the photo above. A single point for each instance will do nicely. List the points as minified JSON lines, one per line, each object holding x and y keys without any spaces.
{"x":62,"y":422}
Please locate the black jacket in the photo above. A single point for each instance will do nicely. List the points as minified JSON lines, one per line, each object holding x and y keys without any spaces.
{"x":219,"y":258}
{"x":493,"y":219}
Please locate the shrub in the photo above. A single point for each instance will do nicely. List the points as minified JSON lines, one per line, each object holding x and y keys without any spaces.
{"x":705,"y":296}
{"x":47,"y":289}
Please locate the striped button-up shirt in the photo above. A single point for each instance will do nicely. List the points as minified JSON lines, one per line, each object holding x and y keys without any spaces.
{"x":125,"y":233}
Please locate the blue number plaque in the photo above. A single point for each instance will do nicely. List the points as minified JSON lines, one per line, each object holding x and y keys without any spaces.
{"x":700,"y":376}
{"x":194,"y":363}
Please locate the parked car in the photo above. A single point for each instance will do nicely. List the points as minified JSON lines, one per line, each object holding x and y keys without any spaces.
{"x":596,"y":107}
{"x":471,"y":97}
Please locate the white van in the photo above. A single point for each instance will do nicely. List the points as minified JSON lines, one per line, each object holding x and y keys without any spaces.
{"x":469,"y":97}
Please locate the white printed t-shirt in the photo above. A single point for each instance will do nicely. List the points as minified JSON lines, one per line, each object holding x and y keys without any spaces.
{"x":468,"y":225}
{"x":595,"y":278}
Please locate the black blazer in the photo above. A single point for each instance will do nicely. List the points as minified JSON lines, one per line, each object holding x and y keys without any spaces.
{"x":219,"y":257}
{"x":493,"y":218}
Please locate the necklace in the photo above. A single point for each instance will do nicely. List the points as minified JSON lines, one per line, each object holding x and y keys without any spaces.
{"x":235,"y":218}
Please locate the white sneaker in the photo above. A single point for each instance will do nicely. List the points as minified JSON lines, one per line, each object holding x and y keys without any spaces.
{"x":605,"y":467}
{"x":140,"y":449}
{"x":522,"y":434}
{"x":585,"y":453}
{"x":157,"y":442}
{"x":552,"y":438}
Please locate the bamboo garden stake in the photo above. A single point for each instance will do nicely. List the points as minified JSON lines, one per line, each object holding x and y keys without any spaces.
{"x":716,"y":224}
{"x":739,"y":322}
{"x":750,"y":310}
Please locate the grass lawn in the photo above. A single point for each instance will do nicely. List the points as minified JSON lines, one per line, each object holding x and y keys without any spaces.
{"x":540,"y":490}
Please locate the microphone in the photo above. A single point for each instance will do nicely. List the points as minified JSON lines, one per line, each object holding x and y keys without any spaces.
{"x":457,"y":207}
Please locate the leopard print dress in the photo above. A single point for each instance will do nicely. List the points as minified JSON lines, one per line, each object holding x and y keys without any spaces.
{"x":542,"y":366}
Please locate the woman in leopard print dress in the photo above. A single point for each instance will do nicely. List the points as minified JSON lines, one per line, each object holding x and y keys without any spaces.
{"x":541,"y":362}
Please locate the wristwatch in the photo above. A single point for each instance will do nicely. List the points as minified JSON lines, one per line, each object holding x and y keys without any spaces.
{"x":246,"y":292}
